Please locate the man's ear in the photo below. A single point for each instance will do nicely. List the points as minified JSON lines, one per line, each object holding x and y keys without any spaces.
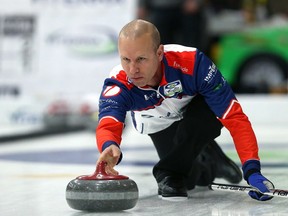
{"x":160,"y":52}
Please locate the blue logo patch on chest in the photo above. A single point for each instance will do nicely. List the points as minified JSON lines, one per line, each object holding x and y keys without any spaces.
{"x":173,"y":88}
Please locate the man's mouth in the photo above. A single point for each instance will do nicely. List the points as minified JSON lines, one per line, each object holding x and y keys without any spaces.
{"x":136,"y":78}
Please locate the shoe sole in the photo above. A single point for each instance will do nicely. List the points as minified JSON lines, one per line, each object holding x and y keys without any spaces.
{"x":173,"y":199}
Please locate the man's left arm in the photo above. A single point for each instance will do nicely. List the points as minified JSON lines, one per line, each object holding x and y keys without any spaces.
{"x":222,"y":101}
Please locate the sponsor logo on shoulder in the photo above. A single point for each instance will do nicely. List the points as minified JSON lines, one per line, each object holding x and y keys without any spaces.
{"x":182,"y":68}
{"x":111,"y":91}
{"x":211,"y":73}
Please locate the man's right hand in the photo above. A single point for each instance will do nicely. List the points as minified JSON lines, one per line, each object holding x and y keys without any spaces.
{"x":111,"y":155}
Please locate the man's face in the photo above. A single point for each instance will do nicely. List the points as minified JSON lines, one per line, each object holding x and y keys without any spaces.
{"x":140,"y":61}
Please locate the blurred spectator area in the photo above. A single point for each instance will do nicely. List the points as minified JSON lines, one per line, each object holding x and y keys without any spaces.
{"x":248,"y":42}
{"x":247,"y":39}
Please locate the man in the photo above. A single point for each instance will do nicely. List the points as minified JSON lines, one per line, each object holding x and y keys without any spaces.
{"x":177,"y":96}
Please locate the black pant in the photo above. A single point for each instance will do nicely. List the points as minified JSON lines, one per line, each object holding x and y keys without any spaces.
{"x":179,"y":146}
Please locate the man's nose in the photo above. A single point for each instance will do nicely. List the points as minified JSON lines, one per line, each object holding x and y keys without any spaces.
{"x":133,"y":68}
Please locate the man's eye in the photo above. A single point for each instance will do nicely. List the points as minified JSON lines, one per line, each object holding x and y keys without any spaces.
{"x":125,"y":59}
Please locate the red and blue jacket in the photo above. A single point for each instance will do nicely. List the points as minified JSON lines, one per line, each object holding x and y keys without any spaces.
{"x":186,"y":73}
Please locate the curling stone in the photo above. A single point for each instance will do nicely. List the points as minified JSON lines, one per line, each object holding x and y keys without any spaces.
{"x":101,"y":191}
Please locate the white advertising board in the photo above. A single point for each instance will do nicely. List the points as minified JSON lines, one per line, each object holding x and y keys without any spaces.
{"x":50,"y":48}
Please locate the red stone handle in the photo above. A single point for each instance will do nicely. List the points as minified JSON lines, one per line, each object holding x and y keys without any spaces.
{"x":101,"y":174}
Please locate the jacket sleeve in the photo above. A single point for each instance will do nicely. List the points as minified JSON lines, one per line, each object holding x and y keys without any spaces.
{"x":241,"y":131}
{"x":113,"y":105}
{"x":221,"y":99}
{"x":108,"y":132}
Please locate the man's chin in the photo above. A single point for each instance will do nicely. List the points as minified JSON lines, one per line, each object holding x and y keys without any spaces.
{"x":138,"y":84}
